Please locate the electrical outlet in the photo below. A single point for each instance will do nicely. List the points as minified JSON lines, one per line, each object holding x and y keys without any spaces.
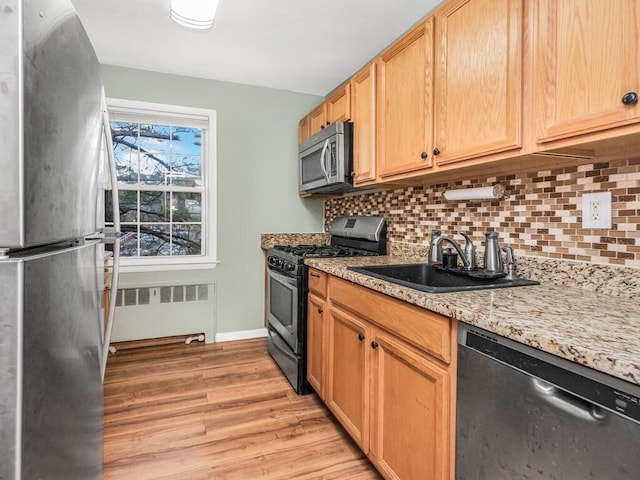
{"x":596,"y":210}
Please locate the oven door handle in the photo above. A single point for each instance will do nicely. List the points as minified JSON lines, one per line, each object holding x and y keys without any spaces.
{"x":290,"y":281}
{"x":323,"y":162}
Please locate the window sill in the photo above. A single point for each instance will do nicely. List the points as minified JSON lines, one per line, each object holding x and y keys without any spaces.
{"x":126,"y":267}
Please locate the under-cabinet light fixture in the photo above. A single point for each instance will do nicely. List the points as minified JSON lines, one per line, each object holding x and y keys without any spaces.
{"x":481,"y":193}
{"x":197,"y":14}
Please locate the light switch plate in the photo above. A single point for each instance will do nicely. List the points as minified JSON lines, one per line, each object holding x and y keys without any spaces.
{"x":596,"y":210}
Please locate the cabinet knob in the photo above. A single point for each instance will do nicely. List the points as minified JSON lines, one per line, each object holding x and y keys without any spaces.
{"x":423,"y":155}
{"x":630,"y":98}
{"x":374,"y":344}
{"x":320,"y":310}
{"x":361,"y":336}
{"x":436,"y":151}
{"x":353,"y":174}
{"x":328,"y":123}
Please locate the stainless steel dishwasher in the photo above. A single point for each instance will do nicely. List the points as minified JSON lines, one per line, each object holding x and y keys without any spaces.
{"x":525,"y":414}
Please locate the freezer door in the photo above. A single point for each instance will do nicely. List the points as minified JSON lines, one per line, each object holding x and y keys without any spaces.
{"x":50,"y":161}
{"x":51,"y":395}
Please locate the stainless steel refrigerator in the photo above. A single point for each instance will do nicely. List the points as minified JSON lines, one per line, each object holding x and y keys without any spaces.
{"x":53,"y":339}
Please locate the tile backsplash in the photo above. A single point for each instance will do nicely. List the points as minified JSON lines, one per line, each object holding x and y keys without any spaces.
{"x":541,"y":216}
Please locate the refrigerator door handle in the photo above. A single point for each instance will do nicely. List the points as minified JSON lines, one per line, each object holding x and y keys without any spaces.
{"x":111,"y":235}
{"x":112,"y":306}
{"x":115,"y":201}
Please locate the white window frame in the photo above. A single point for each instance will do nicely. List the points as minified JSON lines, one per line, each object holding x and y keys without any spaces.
{"x":144,"y":111}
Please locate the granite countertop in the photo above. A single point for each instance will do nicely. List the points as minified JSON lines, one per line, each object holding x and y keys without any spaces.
{"x":269,"y":240}
{"x":593,"y":329}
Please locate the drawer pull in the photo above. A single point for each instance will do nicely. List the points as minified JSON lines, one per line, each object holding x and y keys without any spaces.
{"x":630,"y":98}
{"x":314,"y":275}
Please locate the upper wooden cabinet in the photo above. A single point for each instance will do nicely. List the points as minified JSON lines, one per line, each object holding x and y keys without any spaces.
{"x":478,"y":100}
{"x":303,"y":129}
{"x":587,"y":66}
{"x":317,"y":119}
{"x":336,"y":108}
{"x":338,"y":105}
{"x":405,"y":105}
{"x":363,"y":110}
{"x":496,"y":85}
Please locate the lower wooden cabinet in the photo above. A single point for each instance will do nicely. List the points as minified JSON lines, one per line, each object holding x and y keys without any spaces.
{"x":410,"y":400}
{"x":316,"y":314}
{"x":390,"y":380}
{"x":347,"y":375}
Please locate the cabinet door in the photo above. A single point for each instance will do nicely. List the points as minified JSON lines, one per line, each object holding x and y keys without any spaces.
{"x":404,"y":104}
{"x":316,"y":343}
{"x":363,"y":109}
{"x":339,"y":105}
{"x":317,"y":119}
{"x":410,"y":426}
{"x":479,"y":78}
{"x":348,"y":372}
{"x":587,"y":59}
{"x":303,"y":129}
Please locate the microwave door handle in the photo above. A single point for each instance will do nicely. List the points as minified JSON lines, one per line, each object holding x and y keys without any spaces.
{"x":323,"y":162}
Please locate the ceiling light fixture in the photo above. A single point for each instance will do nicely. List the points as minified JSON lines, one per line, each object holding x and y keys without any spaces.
{"x":196,"y":14}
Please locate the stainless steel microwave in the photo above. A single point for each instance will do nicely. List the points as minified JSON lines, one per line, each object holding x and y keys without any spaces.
{"x":326,"y":160}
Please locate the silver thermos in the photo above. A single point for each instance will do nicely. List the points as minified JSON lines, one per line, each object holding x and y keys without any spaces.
{"x":492,"y":257}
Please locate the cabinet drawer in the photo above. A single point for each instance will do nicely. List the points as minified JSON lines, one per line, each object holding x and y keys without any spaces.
{"x":419,"y":327}
{"x":318,"y":282}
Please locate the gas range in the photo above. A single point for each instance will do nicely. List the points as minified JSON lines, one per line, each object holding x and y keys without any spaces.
{"x":290,"y":258}
{"x":287,"y":288}
{"x":354,"y":236}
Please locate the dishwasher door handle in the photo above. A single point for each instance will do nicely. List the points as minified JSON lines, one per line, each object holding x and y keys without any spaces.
{"x":572,"y":404}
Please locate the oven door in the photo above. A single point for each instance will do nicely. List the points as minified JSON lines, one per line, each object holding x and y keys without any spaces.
{"x":284,"y":310}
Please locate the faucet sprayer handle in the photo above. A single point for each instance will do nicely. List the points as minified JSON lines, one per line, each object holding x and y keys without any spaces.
{"x":511,"y":263}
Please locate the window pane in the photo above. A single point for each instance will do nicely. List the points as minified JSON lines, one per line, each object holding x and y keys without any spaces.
{"x":186,"y":207}
{"x":154,"y":206}
{"x":125,"y":149}
{"x":129,"y":241}
{"x":186,"y":140}
{"x":155,"y":138}
{"x":154,"y":169}
{"x":187,"y":171}
{"x":187,"y":239}
{"x":154,"y":240}
{"x":128,"y":205}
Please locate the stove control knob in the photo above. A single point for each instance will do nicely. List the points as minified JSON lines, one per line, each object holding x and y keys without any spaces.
{"x":279,"y":262}
{"x":290,"y":267}
{"x":271,"y":260}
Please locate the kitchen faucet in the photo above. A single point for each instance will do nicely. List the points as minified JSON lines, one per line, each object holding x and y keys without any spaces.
{"x":468,"y":255}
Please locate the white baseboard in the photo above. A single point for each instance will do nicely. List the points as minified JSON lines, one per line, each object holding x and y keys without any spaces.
{"x":241,"y":335}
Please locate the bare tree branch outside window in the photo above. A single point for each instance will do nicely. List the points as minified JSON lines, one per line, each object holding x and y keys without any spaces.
{"x":159,"y":169}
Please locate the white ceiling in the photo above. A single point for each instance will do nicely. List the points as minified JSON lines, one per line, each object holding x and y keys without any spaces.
{"x":306,"y":46}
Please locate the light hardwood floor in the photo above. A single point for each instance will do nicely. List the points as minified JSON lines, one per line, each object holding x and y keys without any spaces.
{"x":217,"y":412}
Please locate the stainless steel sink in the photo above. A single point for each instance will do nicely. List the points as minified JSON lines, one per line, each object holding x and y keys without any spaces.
{"x":435,"y":279}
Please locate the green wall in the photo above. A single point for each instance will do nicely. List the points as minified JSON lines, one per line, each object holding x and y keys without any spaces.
{"x":257,"y":179}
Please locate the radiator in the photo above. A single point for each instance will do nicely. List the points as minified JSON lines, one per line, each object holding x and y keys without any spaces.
{"x":164,"y":311}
